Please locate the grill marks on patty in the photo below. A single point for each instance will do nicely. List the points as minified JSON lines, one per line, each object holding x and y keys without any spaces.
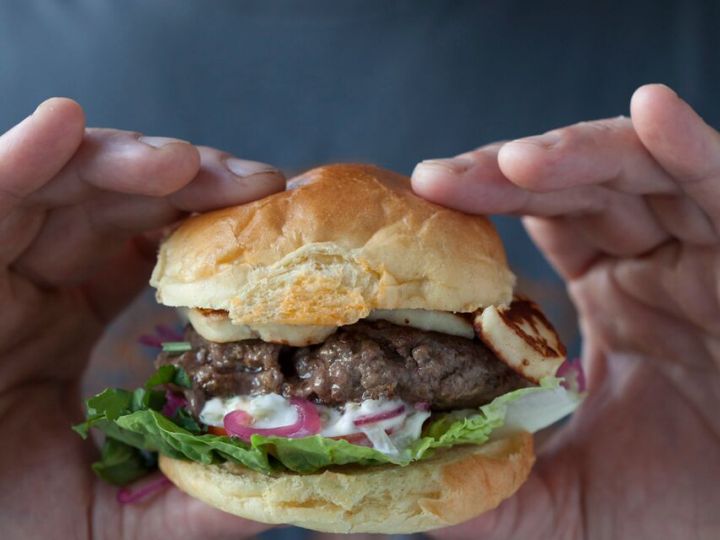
{"x":366,"y":360}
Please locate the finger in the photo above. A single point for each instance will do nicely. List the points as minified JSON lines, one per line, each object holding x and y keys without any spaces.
{"x":682,"y":143}
{"x":104,"y":157}
{"x":562,"y":244}
{"x":534,"y":512}
{"x":676,"y":279}
{"x":474,"y":183}
{"x":606,"y":152}
{"x":626,"y":227}
{"x":18,"y":227}
{"x":683,"y":218}
{"x":224,"y":180}
{"x":94,"y":230}
{"x":76,"y":241}
{"x":124,"y":162}
{"x":615,"y":222}
{"x":32,"y":152}
{"x":195,"y":179}
{"x":118,"y":280}
{"x":606,"y":290}
{"x":112,"y":161}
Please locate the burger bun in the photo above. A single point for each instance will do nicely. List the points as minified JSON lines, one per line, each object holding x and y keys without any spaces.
{"x":453,"y":486}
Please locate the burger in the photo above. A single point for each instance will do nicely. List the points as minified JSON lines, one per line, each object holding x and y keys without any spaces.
{"x":354,"y":360}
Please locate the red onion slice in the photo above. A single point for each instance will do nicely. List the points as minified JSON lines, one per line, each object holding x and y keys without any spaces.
{"x":173,"y":402}
{"x":422,"y":406}
{"x":163,"y":333}
{"x":168,"y":333}
{"x":378,"y":417}
{"x":235,"y":421}
{"x":129,"y":496}
{"x":150,"y":341}
{"x":572,"y":372}
{"x":239,"y":423}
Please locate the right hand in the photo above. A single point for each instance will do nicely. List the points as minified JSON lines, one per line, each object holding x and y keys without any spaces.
{"x":74,"y":206}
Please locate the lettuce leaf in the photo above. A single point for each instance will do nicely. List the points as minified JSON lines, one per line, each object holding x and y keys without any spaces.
{"x":121,"y":463}
{"x":134,"y":428}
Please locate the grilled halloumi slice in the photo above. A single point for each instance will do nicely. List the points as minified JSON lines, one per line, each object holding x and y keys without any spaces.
{"x":522,"y":337}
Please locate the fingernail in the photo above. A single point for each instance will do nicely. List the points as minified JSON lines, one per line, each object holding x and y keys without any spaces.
{"x":546,"y":140}
{"x":242,"y":167}
{"x":158,"y":142}
{"x":454,"y":165}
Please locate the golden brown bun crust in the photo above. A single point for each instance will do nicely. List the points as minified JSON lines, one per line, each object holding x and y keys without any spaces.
{"x":452,"y":487}
{"x":345,"y":239}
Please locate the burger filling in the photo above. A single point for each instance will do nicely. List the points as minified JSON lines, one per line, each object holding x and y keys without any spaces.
{"x":387,"y":425}
{"x":371,"y":369}
{"x":390,"y":389}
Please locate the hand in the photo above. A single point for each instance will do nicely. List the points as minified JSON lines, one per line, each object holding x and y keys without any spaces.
{"x":628,"y":211}
{"x":74,"y":203}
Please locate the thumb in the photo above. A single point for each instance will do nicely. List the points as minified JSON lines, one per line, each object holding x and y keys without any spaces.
{"x":547,"y":505}
{"x":528,"y":514}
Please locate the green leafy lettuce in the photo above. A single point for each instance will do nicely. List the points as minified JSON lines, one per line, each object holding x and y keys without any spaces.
{"x":136,"y":429}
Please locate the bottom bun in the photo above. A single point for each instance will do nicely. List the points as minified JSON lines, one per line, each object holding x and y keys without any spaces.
{"x":451,"y":487}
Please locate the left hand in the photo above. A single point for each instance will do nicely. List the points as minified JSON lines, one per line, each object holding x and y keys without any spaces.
{"x":628,"y":211}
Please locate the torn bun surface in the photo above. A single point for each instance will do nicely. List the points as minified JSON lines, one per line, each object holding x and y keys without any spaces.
{"x":342,"y":241}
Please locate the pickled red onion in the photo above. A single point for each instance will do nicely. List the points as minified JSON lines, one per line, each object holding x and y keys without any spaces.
{"x":168,"y":333}
{"x":150,"y":341}
{"x":572,"y":372}
{"x":378,"y":417}
{"x":422,"y":406}
{"x":173,"y":402}
{"x":162,"y":334}
{"x":129,"y":496}
{"x":239,"y":423}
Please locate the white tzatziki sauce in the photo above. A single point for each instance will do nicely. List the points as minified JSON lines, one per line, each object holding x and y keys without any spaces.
{"x":268,"y":411}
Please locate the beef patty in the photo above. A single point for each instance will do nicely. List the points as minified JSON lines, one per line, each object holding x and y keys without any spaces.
{"x":366,"y":360}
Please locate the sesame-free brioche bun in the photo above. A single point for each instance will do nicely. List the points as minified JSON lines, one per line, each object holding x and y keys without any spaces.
{"x":342,"y":241}
{"x":451,"y":487}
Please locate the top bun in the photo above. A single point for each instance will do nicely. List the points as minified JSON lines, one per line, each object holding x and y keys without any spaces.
{"x":342,"y":241}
